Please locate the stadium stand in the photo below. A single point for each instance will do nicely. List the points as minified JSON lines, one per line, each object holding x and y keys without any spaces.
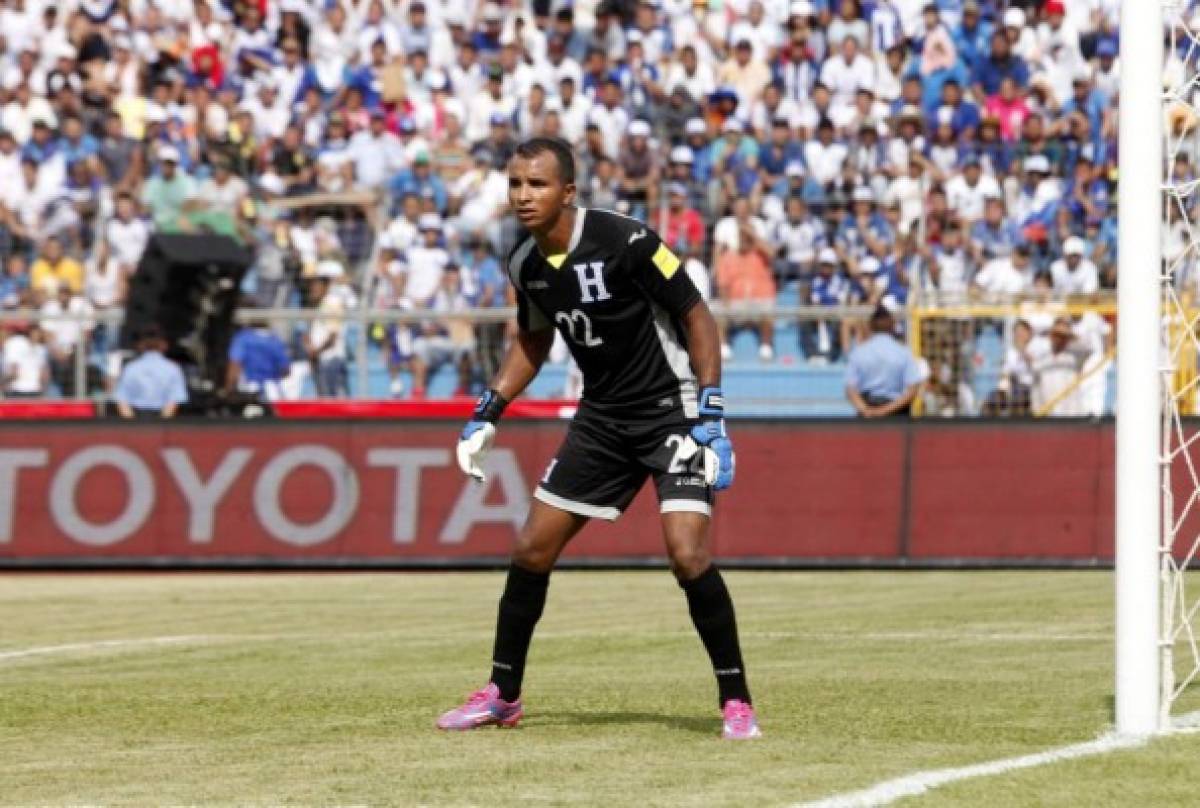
{"x":802,"y":154}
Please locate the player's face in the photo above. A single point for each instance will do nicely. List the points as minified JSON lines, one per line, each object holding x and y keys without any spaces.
{"x":536,"y":192}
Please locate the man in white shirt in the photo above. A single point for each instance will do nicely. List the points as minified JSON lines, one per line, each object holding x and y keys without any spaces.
{"x":1007,"y":276}
{"x":26,"y":371}
{"x":825,"y":156}
{"x":1073,"y":274}
{"x":377,"y":154}
{"x":66,"y":337}
{"x":845,"y":73}
{"x":1058,"y":366}
{"x":969,"y":191}
{"x":480,"y":196}
{"x":127,"y":233}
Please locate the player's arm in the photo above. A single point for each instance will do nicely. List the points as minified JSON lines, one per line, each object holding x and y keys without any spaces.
{"x":660,"y":273}
{"x":523,"y":360}
{"x":520,"y":365}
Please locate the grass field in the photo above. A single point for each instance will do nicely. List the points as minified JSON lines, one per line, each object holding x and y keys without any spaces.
{"x":323,"y":689}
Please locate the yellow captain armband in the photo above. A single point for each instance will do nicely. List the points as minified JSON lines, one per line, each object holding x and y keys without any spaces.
{"x":666,"y":261}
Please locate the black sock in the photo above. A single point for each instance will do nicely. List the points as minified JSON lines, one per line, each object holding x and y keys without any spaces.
{"x":520,"y":607}
{"x":712,"y":613}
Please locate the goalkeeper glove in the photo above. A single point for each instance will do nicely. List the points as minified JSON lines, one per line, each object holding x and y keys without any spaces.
{"x":715,"y":446}
{"x":479,"y":433}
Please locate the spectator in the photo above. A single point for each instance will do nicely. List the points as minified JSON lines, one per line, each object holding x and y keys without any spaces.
{"x":68,"y":325}
{"x":151,"y":386}
{"x":14,"y":282}
{"x":164,"y":194}
{"x":1059,"y":367}
{"x":1073,"y":274}
{"x":54,"y":269}
{"x":26,"y":361}
{"x":325,"y":342}
{"x":822,"y":339}
{"x":882,"y":376}
{"x":444,"y":342}
{"x":744,"y":281}
{"x":258,"y":363}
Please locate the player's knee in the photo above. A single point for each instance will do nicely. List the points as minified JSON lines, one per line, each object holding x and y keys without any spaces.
{"x":689,"y":560}
{"x":532,"y":555}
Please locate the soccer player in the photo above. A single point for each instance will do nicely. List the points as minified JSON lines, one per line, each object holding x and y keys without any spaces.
{"x":652,"y":406}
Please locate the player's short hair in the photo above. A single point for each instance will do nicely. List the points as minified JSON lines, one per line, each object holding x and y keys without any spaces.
{"x":558,"y":147}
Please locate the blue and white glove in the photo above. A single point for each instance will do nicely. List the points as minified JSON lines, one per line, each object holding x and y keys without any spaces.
{"x":715,"y":446}
{"x":479,"y":434}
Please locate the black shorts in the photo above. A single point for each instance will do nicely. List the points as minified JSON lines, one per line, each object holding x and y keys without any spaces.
{"x":605,"y":460}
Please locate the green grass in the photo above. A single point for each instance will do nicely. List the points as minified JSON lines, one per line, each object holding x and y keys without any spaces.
{"x":323,"y":689}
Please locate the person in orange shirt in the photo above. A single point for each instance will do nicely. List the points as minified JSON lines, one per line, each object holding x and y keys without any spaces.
{"x":54,"y":268}
{"x":744,"y":282}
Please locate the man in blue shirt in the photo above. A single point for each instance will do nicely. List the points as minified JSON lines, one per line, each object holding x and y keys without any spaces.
{"x":1000,"y":64}
{"x":258,"y":361}
{"x":882,"y":376}
{"x":151,"y":386}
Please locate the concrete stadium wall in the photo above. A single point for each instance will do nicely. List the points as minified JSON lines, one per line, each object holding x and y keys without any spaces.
{"x":360,"y":493}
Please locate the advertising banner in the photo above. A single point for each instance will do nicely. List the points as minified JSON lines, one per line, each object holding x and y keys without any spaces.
{"x":375,"y":492}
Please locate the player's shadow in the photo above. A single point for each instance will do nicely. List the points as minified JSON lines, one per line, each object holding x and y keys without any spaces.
{"x":701,"y":725}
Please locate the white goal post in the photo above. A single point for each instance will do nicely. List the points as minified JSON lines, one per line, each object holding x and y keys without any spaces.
{"x":1139,"y":702}
{"x":1158,"y":360}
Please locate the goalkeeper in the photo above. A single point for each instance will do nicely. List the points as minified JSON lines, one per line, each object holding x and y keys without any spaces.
{"x":648,"y":349}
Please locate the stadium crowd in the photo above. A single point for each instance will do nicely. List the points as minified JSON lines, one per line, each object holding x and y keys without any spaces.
{"x":837,"y":151}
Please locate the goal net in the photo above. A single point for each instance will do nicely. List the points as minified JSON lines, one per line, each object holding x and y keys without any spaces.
{"x":1180,"y":283}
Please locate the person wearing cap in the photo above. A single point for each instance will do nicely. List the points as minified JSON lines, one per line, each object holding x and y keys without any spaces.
{"x":1038,"y":192}
{"x":1059,"y":365}
{"x":1086,"y":100}
{"x":639,"y":172}
{"x":1074,"y":273}
{"x":865,"y":232}
{"x":165,"y":193}
{"x":150,"y":386}
{"x":883,"y":378}
{"x":1108,"y":68}
{"x":682,"y":226}
{"x":422,"y":180}
{"x":972,"y":35}
{"x":822,"y":340}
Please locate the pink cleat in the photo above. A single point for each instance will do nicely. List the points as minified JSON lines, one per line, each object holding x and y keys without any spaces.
{"x":740,"y":722}
{"x":484,"y":707}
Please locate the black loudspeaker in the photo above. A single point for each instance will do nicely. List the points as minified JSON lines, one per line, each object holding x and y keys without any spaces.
{"x":188,"y":286}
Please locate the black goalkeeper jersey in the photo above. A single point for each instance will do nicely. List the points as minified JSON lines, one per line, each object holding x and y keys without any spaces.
{"x":617,"y":300}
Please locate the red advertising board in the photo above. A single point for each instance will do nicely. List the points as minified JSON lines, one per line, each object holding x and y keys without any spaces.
{"x":380,"y":492}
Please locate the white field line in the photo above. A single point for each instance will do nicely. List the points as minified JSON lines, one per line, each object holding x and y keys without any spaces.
{"x":130,"y":643}
{"x":918,"y":783}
